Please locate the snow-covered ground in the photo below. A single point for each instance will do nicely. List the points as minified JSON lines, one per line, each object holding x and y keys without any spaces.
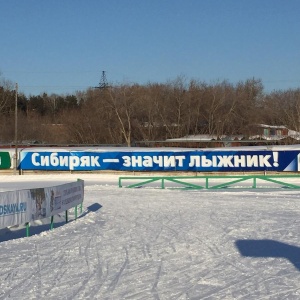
{"x":156,"y":244}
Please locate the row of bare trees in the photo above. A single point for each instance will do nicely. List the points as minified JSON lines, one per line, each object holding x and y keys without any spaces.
{"x":127,"y":113}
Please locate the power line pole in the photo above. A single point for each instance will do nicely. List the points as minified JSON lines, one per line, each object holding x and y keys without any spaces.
{"x":103,"y":82}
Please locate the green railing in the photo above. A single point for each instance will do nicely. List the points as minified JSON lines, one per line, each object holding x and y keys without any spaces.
{"x":212,"y":181}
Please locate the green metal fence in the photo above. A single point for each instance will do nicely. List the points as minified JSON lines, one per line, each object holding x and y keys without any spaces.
{"x":212,"y":181}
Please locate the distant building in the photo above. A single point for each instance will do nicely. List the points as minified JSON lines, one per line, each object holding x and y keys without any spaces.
{"x":258,"y":134}
{"x":270,"y":132}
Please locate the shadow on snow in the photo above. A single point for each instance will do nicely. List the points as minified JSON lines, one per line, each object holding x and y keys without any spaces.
{"x":19,"y":231}
{"x":269,"y":248}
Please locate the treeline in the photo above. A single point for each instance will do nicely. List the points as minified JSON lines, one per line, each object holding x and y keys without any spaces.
{"x":127,"y":113}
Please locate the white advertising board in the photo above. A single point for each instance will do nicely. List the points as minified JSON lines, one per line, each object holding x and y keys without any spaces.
{"x":18,"y":207}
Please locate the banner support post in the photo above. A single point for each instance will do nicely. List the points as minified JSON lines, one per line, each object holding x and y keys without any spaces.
{"x":76,"y":211}
{"x":51,"y":224}
{"x":78,"y":179}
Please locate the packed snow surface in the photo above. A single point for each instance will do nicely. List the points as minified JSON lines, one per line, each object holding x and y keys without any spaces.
{"x":150,"y":243}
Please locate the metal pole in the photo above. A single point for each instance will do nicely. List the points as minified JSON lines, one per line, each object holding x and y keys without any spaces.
{"x":16,"y":130}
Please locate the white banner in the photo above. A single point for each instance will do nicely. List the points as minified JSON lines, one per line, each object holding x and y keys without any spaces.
{"x":19,"y":207}
{"x":61,"y":198}
{"x":15,"y":208}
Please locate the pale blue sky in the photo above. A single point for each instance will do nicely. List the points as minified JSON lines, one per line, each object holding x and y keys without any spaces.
{"x":59,"y":46}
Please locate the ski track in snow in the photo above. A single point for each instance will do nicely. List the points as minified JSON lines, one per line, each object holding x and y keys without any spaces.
{"x":156,"y":244}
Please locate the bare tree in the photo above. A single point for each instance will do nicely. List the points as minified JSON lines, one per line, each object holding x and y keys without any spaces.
{"x":283,"y":108}
{"x":7,"y":96}
{"x":123,"y":101}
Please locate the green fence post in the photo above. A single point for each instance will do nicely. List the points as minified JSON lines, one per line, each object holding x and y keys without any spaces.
{"x":254,"y":182}
{"x":162,"y":183}
{"x":67,"y":216}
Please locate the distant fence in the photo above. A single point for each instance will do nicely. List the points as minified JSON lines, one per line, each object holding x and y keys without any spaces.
{"x":24,"y":206}
{"x":212,"y":182}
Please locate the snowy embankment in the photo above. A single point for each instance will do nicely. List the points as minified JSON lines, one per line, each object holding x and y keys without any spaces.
{"x":156,"y":244}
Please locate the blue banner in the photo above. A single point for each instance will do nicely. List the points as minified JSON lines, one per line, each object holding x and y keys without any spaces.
{"x":204,"y":161}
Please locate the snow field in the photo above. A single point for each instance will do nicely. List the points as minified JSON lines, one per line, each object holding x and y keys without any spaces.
{"x":157,"y":244}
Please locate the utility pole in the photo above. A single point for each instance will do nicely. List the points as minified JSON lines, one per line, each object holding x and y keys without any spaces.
{"x":16,"y":130}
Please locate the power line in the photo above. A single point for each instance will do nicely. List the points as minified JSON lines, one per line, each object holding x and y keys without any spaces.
{"x":53,"y":86}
